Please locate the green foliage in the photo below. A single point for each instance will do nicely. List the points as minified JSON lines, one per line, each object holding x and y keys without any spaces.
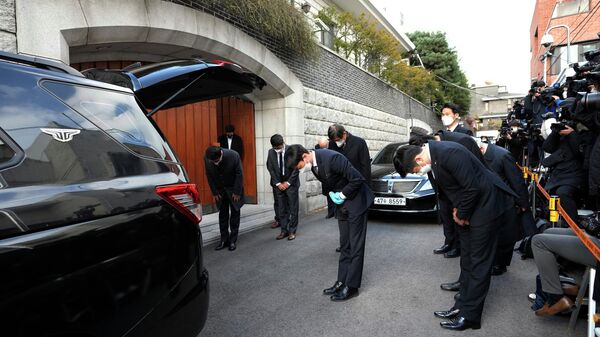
{"x":277,"y":19}
{"x":442,"y":60}
{"x":358,"y":39}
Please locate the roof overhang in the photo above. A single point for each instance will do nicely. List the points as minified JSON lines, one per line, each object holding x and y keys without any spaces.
{"x":358,"y":7}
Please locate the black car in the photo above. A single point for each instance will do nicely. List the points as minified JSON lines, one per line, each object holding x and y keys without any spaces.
{"x":99,"y":225}
{"x":412,"y":194}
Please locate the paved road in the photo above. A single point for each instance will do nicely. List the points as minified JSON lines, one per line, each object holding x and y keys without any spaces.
{"x":273,"y":288}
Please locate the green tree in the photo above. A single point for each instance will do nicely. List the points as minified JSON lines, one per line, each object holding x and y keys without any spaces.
{"x":442,"y":61}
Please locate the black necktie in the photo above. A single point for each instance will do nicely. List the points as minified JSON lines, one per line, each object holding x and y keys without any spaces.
{"x":315,"y":171}
{"x":280,"y":154}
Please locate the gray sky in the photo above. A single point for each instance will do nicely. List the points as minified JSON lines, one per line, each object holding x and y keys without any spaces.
{"x":490,"y":37}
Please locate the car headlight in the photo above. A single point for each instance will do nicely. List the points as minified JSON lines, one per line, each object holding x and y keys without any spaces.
{"x":426,"y":186}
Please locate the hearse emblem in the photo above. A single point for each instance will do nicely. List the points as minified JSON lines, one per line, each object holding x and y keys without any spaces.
{"x":62,"y":135}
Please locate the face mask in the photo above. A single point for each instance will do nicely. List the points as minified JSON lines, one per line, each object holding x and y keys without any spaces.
{"x":306,"y":167}
{"x":447,"y":120}
{"x":515,"y":129}
{"x":278,"y":150}
{"x":340,"y":143}
{"x":425,"y":169}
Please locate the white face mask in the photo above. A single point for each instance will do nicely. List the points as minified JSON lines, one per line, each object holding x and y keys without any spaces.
{"x":278,"y":150}
{"x":515,"y":129}
{"x":425,"y":169}
{"x":447,"y":120}
{"x":307,"y":167}
{"x":340,"y":143}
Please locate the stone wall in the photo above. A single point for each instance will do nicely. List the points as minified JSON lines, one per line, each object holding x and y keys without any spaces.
{"x":8,"y":26}
{"x":378,"y":128}
{"x":332,"y":74}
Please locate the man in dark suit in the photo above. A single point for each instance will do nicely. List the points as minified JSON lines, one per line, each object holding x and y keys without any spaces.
{"x":226,"y":181}
{"x":479,"y":199}
{"x":355,"y":149}
{"x":285,"y":185}
{"x":502,"y":162}
{"x":352,"y":196}
{"x":451,"y":119}
{"x":451,"y":247}
{"x":231,"y":141}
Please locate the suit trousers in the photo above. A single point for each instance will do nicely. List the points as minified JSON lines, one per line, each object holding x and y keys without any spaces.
{"x":555,"y":242}
{"x":276,"y":205}
{"x":507,"y":237}
{"x":477,"y":254}
{"x":450,"y":227}
{"x":353,"y":233}
{"x":228,"y":225}
{"x":288,"y":208}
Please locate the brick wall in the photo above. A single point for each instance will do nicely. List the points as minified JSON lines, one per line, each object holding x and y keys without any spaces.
{"x":583,"y":27}
{"x":331,"y":74}
{"x":8,"y":26}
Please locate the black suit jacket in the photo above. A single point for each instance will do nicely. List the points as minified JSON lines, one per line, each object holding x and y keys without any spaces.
{"x":337,"y":174}
{"x":236,"y":144}
{"x":477,"y":193}
{"x":502,"y":162}
{"x":463,"y":139}
{"x":273,"y":168}
{"x":227,"y":177}
{"x":357,"y":152}
{"x":461,"y":129}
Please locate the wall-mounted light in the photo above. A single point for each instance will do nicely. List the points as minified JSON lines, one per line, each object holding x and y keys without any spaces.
{"x":305,"y":7}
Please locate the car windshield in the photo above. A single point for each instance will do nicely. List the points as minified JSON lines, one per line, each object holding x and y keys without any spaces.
{"x":385,"y":156}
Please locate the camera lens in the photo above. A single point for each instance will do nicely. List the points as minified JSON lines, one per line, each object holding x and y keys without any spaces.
{"x":591,"y":102}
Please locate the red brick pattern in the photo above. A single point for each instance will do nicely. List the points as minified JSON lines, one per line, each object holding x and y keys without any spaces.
{"x":583,"y":27}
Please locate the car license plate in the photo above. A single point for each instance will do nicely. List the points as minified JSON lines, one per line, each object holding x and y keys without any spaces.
{"x":390,"y":201}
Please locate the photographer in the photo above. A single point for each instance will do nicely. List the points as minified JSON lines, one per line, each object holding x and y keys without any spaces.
{"x":565,"y":174}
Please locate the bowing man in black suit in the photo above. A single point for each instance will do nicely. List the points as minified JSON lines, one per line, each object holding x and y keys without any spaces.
{"x":231,"y":141}
{"x":451,"y":119}
{"x":285,"y":185}
{"x":502,"y":162}
{"x":226,"y":181}
{"x":479,"y":199}
{"x":352,"y":196}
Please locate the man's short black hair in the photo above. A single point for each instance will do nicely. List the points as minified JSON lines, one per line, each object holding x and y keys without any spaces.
{"x":276,"y":140}
{"x":335,"y":131}
{"x":213,"y":153}
{"x":454,"y":107}
{"x":419,"y":139}
{"x":404,"y":159}
{"x":229,"y":128}
{"x":293,"y":156}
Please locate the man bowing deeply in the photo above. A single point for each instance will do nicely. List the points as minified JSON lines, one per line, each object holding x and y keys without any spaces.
{"x":479,"y":199}
{"x":352,"y":196}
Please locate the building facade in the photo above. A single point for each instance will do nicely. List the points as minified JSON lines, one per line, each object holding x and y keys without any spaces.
{"x":490,"y":104}
{"x":579,"y":20}
{"x":301,"y":99}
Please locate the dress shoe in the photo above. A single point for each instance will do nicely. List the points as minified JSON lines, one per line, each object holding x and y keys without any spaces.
{"x":282,"y":235}
{"x":221,"y":245}
{"x":232,"y":246}
{"x":329,"y":215}
{"x":336,"y":286}
{"x":452,"y":253}
{"x":452,"y":286}
{"x":446,"y":313}
{"x":549,"y":310}
{"x":460,"y":324}
{"x":292,"y":237}
{"x":338,"y":249}
{"x":457,"y":296}
{"x":345,"y":293}
{"x":443,"y":249}
{"x":498,"y":270}
{"x":275,"y":224}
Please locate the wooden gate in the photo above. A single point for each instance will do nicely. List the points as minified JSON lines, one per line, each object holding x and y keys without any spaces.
{"x":191,"y":128}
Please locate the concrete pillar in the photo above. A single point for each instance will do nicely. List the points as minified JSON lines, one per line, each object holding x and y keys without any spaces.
{"x":8,"y":26}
